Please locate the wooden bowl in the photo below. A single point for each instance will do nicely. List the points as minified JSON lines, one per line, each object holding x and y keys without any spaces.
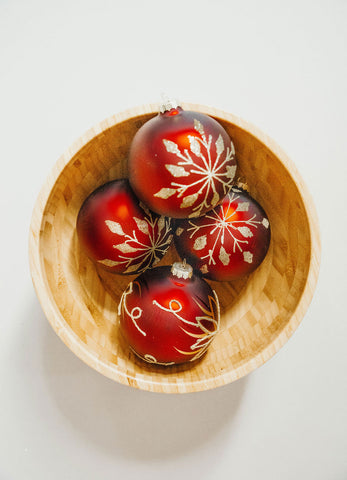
{"x":258,"y":313}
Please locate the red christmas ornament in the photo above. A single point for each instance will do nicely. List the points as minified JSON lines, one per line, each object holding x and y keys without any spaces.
{"x":168,"y":315}
{"x":118,"y":232}
{"x":181,"y":163}
{"x":229,"y":241}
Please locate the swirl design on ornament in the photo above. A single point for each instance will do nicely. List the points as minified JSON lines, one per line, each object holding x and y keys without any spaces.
{"x":151,"y":359}
{"x":136,"y":312}
{"x":203,"y":339}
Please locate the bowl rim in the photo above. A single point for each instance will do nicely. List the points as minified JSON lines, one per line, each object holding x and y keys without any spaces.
{"x":69,"y":337}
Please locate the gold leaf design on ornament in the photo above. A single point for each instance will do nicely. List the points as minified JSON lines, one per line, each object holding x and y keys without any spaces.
{"x":171,"y":147}
{"x":224,"y":257}
{"x":109,"y":263}
{"x":161,"y":224}
{"x":194,"y":214}
{"x":194,"y":145}
{"x":165,"y":193}
{"x":156,"y":261}
{"x":219,"y":145}
{"x":179,"y":231}
{"x":204,"y":268}
{"x":225,"y":223}
{"x":231,"y":170}
{"x":125,"y":248}
{"x":134,"y":267}
{"x":198,"y":127}
{"x":189,"y":200}
{"x":242,"y":207}
{"x":149,"y":251}
{"x":176,"y":171}
{"x":115,"y":227}
{"x":212,"y":173}
{"x":245,"y":232}
{"x":215,"y":199}
{"x":248,"y":257}
{"x":265,"y":222}
{"x":200,"y":242}
{"x":142,"y":225}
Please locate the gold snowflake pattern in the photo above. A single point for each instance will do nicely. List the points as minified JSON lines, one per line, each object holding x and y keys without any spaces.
{"x":132,"y":249}
{"x":222,"y":225}
{"x":212,"y":173}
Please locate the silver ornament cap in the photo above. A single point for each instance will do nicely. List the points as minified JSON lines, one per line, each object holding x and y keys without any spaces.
{"x":168,"y":103}
{"x":182,"y":270}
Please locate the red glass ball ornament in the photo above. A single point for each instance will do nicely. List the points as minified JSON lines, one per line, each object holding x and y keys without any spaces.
{"x":181,"y":163}
{"x":119,"y":233}
{"x":229,"y":241}
{"x":168,"y":315}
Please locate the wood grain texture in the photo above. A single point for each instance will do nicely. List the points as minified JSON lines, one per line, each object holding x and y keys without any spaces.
{"x":258,"y":313}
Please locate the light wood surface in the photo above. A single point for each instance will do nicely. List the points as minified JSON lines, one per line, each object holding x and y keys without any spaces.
{"x":258,"y":313}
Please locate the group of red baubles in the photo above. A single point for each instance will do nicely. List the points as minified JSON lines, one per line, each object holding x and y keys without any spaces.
{"x":181,"y":168}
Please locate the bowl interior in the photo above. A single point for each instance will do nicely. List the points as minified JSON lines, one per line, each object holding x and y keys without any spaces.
{"x":255,"y":312}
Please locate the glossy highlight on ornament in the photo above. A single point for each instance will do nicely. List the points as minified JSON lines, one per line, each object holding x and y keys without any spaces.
{"x":188,"y":159}
{"x":119,"y":233}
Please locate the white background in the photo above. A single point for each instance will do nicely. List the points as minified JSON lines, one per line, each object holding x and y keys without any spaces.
{"x":66,"y":65}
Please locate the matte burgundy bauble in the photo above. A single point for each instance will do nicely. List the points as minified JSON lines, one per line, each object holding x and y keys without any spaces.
{"x":229,"y":241}
{"x":118,"y":232}
{"x":168,"y":319}
{"x":181,"y":163}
